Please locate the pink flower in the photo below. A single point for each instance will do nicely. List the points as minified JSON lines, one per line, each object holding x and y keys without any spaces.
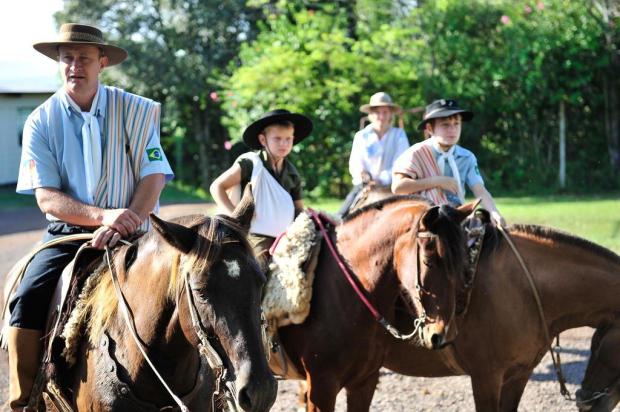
{"x":505,"y":19}
{"x":540,"y":5}
{"x":213,"y":96}
{"x":227,"y":145}
{"x":527,"y":9}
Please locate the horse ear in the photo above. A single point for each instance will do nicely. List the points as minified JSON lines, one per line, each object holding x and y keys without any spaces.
{"x":467,"y":209}
{"x":430,"y":218}
{"x":244,"y":211}
{"x":178,"y":236}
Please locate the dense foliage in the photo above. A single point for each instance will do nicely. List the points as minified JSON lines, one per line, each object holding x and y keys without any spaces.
{"x":218,"y":65}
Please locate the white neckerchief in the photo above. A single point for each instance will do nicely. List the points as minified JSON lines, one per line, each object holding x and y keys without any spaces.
{"x":91,"y":140}
{"x":441,"y":163}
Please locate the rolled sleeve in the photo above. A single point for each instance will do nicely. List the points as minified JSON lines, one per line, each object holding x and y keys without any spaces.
{"x":38,"y":166}
{"x":404,"y":164}
{"x":154,"y":159}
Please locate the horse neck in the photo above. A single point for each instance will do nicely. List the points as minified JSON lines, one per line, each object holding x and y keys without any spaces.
{"x":578,"y":284}
{"x":367,"y":245}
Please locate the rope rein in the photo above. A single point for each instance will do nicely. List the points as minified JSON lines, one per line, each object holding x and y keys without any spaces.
{"x":418,"y":322}
{"x":555,"y":353}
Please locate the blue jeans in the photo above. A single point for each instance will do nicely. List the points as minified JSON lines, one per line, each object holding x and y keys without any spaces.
{"x":31,"y":302}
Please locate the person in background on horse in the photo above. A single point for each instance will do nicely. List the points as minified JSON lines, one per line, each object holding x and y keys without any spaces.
{"x":92,"y":157}
{"x":276,"y":184}
{"x":438,"y":168}
{"x":375,"y":147}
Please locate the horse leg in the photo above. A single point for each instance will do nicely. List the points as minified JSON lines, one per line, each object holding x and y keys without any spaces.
{"x":321,"y":393}
{"x":487,"y":389}
{"x":360,"y":395}
{"x":512,"y":390}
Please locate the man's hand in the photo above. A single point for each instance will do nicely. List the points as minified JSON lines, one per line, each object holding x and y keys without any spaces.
{"x":123,"y":221}
{"x":105,"y":236}
{"x":366,"y":177}
{"x":447,"y":183}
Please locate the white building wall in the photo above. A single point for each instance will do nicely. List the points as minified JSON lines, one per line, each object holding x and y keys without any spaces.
{"x":14,"y":109}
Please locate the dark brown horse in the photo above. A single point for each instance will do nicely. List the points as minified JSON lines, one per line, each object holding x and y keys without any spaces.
{"x":390,"y":247}
{"x":600,"y":388}
{"x":191,"y":261}
{"x":501,"y":337}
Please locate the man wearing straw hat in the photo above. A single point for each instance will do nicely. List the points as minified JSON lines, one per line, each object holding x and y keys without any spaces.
{"x":375,"y":147}
{"x":92,"y":157}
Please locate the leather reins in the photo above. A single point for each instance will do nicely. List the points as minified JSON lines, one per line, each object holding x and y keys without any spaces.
{"x":555,"y":354}
{"x":418,"y":322}
{"x":205,"y":348}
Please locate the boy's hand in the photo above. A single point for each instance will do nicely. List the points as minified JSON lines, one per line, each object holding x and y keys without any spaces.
{"x":447,"y":183}
{"x":498,"y":219}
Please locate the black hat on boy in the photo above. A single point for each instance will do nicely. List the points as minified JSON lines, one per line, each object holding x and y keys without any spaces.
{"x":444,"y":108}
{"x":303,"y":126}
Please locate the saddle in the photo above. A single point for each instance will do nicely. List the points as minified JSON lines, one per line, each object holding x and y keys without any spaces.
{"x":288,"y":292}
{"x":61,"y":338}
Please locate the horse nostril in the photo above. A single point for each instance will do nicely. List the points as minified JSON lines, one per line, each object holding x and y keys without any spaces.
{"x":245,"y":400}
{"x":436,"y":340}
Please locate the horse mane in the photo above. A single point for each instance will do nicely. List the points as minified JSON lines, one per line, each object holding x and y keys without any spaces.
{"x":451,"y":247}
{"x":493,"y":239}
{"x":380,"y":204}
{"x":102,"y":303}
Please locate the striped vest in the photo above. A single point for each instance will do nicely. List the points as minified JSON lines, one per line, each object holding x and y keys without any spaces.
{"x":130,"y":119}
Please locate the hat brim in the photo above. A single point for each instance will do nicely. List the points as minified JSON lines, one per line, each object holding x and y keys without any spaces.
{"x":114,"y":54}
{"x":465,"y":114}
{"x":303,"y":128}
{"x":366,"y":107}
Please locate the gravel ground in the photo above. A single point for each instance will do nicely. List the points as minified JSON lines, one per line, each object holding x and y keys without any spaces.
{"x":21,"y":229}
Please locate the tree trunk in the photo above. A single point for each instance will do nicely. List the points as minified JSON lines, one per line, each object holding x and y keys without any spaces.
{"x":202,"y":138}
{"x":562,"y":148}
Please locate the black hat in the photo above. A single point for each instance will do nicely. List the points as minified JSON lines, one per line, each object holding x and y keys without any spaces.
{"x":444,"y":108}
{"x":302,"y":124}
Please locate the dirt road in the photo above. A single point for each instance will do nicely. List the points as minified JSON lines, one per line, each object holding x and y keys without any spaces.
{"x":21,"y":229}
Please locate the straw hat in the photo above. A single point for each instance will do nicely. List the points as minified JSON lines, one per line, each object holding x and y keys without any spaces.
{"x":380,"y":99}
{"x":303,"y":126}
{"x":444,"y":108}
{"x":72,"y":33}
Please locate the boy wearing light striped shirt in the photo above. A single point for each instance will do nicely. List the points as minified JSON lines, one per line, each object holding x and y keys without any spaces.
{"x":438,"y":168}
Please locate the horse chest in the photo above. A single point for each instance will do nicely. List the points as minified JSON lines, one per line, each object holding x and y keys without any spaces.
{"x":114,"y":394}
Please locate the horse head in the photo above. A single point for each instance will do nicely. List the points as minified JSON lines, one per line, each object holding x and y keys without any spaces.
{"x":221,"y":288}
{"x":432,"y":267}
{"x":600,"y":388}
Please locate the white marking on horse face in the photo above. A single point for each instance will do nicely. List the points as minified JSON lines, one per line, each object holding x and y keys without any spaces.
{"x":233,"y":268}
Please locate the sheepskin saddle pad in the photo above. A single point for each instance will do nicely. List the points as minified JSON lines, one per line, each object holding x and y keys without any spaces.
{"x":286,"y":297}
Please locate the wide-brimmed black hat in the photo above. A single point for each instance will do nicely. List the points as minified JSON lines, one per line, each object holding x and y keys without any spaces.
{"x":303,"y":126}
{"x":72,"y":33}
{"x":444,"y":108}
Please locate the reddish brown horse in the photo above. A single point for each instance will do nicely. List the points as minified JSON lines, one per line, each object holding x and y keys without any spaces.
{"x":600,"y":388}
{"x":391,"y":247}
{"x":501,"y":337}
{"x":189,"y":280}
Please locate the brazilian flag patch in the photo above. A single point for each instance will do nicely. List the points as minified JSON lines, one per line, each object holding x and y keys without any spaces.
{"x":154,"y":154}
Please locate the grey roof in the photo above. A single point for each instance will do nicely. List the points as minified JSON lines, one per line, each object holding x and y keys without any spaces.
{"x":21,"y":77}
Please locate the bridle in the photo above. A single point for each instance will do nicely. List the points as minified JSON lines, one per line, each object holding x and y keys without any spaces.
{"x":418,"y":322}
{"x":599,"y":394}
{"x":224,"y":389}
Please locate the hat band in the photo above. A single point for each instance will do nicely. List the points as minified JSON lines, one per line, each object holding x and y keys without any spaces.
{"x":438,"y":110}
{"x":76,"y":36}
